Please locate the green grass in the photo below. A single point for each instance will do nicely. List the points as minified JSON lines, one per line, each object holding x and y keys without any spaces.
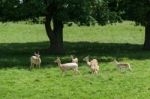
{"x":123,"y":41}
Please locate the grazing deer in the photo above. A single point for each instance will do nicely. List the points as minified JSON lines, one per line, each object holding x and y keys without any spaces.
{"x":93,"y":64}
{"x":122,"y":65}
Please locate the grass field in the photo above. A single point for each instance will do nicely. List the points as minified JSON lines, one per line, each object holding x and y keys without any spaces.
{"x":123,"y":41}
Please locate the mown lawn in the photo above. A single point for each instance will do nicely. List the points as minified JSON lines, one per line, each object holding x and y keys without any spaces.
{"x":122,"y":41}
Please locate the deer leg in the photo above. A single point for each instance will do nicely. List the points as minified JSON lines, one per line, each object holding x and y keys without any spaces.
{"x":129,"y":67}
{"x":63,"y":72}
{"x":77,"y":71}
{"x":31,"y":66}
{"x":39,"y":65}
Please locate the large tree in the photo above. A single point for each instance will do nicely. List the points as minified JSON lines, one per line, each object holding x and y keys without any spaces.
{"x":138,"y":11}
{"x":57,"y":13}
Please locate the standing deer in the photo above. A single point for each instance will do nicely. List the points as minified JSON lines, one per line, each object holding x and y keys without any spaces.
{"x":122,"y":65}
{"x":35,"y":60}
{"x":93,"y":64}
{"x":67,"y":66}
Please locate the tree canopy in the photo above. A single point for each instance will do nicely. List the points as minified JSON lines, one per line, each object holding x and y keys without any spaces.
{"x":135,"y":10}
{"x":81,"y":12}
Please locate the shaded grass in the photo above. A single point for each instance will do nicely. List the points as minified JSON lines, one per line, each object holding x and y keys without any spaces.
{"x":122,"y":41}
{"x":18,"y":54}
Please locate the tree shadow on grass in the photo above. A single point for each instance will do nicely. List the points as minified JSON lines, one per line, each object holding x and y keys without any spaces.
{"x":18,"y":54}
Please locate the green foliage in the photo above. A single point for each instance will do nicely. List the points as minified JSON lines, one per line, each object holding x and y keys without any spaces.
{"x":105,"y":12}
{"x":135,"y":10}
{"x":14,"y":10}
{"x":83,"y":12}
{"x":8,"y":9}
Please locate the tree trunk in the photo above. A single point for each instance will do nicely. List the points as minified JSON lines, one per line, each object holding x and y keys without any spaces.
{"x":55,"y":35}
{"x":58,"y":32}
{"x":55,"y":32}
{"x":147,"y":33}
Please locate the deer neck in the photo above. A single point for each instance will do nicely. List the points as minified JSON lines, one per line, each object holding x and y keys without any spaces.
{"x":59,"y":64}
{"x":88,"y":62}
{"x":116,"y":62}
